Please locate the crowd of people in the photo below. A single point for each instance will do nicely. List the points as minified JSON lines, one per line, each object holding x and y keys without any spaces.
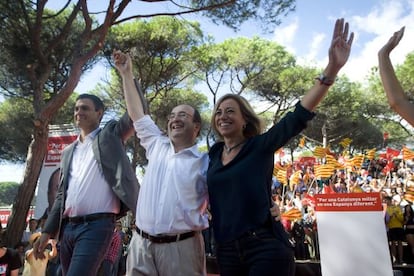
{"x":187,"y":197}
{"x":396,"y":190}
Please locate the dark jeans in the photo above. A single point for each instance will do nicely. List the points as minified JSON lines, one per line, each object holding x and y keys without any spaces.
{"x":106,"y":269}
{"x":84,"y":245}
{"x":256,"y":253}
{"x":53,"y":267}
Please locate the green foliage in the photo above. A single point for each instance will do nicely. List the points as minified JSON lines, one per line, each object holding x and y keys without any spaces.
{"x":16,"y":122}
{"x":8,"y":191}
{"x":264,"y":71}
{"x":377,"y":105}
{"x":267,"y":12}
{"x":345,"y":113}
{"x":44,"y":53}
{"x":15,"y":114}
{"x":162,"y":105}
{"x":405,"y":73}
{"x":159,"y":49}
{"x":22,"y":64}
{"x":255,"y":67}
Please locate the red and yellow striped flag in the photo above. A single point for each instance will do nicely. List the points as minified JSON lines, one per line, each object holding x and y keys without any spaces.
{"x":409,"y":192}
{"x":302,"y":142}
{"x":281,"y":176}
{"x":324,"y":170}
{"x":345,"y":142}
{"x":407,"y":153}
{"x":292,"y":214}
{"x":332,"y":161}
{"x":357,"y":161}
{"x":277,"y":167}
{"x":280,"y":172}
{"x":295,"y":179}
{"x":319,"y":152}
{"x":371,"y":154}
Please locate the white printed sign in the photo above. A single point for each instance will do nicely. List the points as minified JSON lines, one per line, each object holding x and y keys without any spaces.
{"x":352,"y":235}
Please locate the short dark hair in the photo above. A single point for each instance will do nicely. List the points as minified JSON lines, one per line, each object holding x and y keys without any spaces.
{"x":97,"y":102}
{"x":197,"y":118}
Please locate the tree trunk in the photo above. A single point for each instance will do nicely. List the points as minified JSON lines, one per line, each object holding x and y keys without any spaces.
{"x":36,"y":152}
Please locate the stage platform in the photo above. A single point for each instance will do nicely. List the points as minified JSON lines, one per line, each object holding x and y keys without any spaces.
{"x":312,"y":268}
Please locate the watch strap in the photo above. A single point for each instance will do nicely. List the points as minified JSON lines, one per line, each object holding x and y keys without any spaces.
{"x":324,"y":80}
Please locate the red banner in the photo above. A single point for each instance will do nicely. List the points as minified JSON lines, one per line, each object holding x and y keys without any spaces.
{"x":348,"y":202}
{"x":55,"y":146}
{"x":5,"y":214}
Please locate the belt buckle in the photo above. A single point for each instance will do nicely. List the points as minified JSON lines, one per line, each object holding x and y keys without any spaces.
{"x":178,"y":237}
{"x":140,"y":232}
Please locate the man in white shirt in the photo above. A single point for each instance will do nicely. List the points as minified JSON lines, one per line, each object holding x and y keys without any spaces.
{"x":171,"y":208}
{"x":97,"y":184}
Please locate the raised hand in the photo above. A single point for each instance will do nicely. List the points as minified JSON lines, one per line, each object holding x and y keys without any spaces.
{"x":122,"y":62}
{"x":392,"y":42}
{"x":341,"y":44}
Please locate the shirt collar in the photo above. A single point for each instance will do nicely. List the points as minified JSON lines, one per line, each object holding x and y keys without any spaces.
{"x":91,"y":135}
{"x":192,"y":150}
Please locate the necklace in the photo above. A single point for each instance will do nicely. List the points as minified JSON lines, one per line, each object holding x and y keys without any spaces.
{"x":229,"y":149}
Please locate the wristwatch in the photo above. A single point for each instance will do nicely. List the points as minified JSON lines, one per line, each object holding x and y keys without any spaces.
{"x":325,"y":80}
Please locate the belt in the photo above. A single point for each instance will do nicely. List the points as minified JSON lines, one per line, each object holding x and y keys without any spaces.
{"x":89,"y":218}
{"x":165,"y":238}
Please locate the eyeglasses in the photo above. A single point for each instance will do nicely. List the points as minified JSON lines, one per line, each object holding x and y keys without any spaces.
{"x":180,"y":115}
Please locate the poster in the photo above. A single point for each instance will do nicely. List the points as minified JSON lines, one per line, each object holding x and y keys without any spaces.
{"x":352,"y":235}
{"x":59,"y":137}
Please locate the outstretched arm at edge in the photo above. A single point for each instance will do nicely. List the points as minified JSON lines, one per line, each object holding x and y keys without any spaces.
{"x":397,"y":99}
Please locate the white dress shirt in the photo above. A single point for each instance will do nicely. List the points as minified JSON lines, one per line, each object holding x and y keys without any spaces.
{"x":173,"y":195}
{"x":88,"y":192}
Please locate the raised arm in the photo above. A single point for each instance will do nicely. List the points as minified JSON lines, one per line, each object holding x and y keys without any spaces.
{"x":338,"y":55}
{"x":134,"y":103}
{"x":397,"y":99}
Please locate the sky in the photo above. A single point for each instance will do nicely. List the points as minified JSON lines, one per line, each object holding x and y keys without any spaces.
{"x":305,"y":33}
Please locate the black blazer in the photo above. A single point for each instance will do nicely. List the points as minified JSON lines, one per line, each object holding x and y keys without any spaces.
{"x":109,"y":151}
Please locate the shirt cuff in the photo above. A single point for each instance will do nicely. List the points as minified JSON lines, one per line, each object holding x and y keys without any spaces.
{"x":303,"y":113}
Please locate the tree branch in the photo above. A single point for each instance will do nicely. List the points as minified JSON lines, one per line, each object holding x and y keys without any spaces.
{"x":210,"y":7}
